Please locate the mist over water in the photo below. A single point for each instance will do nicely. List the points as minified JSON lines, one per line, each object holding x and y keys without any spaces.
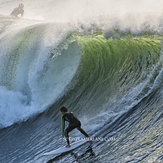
{"x":125,"y":15}
{"x":72,"y":10}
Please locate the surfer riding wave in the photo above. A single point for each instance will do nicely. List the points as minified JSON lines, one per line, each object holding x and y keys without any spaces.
{"x":73,"y":123}
{"x":18,"y":10}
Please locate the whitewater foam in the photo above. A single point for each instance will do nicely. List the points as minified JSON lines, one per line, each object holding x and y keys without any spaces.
{"x":32,"y":75}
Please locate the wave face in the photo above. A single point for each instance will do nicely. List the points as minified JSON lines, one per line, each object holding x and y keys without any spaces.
{"x":112,"y":81}
{"x":31,"y":78}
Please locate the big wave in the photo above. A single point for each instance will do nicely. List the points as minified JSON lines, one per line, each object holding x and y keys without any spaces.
{"x":40,"y":63}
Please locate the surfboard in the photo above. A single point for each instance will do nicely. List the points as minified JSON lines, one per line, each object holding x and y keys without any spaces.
{"x":66,"y":149}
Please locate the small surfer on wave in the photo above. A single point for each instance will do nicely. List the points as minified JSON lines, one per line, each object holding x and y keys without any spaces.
{"x":18,"y":10}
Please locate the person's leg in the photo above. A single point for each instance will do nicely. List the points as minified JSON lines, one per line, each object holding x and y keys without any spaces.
{"x":68,"y":129}
{"x":67,"y":137}
{"x":82,"y":130}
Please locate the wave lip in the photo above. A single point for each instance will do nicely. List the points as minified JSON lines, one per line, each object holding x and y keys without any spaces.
{"x":33,"y":76}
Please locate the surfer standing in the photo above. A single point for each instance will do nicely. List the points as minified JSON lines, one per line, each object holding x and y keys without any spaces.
{"x":73,"y":123}
{"x":18,"y":10}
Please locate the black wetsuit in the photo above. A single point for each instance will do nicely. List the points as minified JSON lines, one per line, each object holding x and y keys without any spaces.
{"x":73,"y":123}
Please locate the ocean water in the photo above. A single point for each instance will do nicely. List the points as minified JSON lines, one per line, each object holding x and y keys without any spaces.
{"x":104,"y":63}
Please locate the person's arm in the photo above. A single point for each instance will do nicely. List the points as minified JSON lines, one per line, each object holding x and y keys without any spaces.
{"x":63,"y":126}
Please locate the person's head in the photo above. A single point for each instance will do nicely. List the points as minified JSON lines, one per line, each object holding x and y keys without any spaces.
{"x":21,"y":5}
{"x":63,"y":109}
